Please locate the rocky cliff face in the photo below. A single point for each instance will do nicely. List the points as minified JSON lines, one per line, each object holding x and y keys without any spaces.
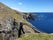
{"x":7,"y":15}
{"x":6,"y":31}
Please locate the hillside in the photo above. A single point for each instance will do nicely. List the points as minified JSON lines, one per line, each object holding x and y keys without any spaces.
{"x":6,"y":13}
{"x":36,"y":36}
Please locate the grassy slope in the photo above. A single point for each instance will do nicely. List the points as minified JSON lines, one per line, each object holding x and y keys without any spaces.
{"x":5,"y":11}
{"x":36,"y":36}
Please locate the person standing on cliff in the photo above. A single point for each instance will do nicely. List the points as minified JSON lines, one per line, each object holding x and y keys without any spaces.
{"x":20,"y":29}
{"x":15,"y":26}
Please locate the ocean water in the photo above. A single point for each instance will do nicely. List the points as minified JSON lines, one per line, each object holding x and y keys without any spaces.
{"x":43,"y":22}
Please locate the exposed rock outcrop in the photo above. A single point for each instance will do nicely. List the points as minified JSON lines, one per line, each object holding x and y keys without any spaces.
{"x":6,"y":26}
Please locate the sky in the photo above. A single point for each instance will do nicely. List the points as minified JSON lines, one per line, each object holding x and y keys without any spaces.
{"x":30,"y":5}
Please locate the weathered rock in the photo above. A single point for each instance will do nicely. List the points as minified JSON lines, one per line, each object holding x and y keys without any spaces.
{"x":6,"y":25}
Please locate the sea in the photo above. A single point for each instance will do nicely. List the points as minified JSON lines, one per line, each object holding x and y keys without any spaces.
{"x":43,"y":21}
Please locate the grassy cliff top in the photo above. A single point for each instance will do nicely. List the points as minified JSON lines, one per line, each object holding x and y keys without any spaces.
{"x":5,"y":11}
{"x":36,"y":36}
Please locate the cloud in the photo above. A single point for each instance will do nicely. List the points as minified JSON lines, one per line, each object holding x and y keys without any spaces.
{"x":20,"y":3}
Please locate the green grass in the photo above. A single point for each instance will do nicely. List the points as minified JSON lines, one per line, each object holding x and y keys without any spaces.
{"x":36,"y":36}
{"x":7,"y":11}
